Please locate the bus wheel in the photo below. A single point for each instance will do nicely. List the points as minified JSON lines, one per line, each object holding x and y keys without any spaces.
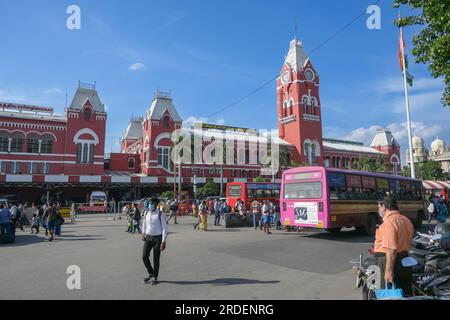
{"x":371,"y":225}
{"x":334,"y":230}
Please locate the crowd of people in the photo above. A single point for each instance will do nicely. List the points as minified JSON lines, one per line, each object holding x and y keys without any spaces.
{"x":47,"y":216}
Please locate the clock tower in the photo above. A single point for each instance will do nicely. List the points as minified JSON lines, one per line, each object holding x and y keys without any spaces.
{"x":299,"y":109}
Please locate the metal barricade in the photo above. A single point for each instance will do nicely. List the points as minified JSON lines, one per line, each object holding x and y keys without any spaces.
{"x":94,"y":208}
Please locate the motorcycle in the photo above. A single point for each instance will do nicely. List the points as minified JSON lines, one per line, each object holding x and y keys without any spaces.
{"x":368,"y":275}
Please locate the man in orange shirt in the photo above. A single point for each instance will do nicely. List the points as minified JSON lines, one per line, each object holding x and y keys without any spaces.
{"x":392,"y":244}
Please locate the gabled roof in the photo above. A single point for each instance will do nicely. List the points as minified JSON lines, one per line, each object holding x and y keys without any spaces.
{"x":337,"y":146}
{"x":162,"y":103}
{"x":134,"y":129}
{"x":383,"y":138}
{"x":296,"y":57}
{"x":86,"y":94}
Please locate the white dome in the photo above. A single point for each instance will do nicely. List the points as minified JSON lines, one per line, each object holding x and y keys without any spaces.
{"x":417,"y":142}
{"x":438,"y":145}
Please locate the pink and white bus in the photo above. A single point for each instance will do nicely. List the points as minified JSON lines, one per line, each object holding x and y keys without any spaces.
{"x":329,"y":199}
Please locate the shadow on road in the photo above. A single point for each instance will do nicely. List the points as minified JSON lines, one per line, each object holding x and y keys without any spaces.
{"x":222,"y":282}
{"x":343,"y":236}
{"x":223,"y":230}
{"x":24,"y":240}
{"x":79,"y":238}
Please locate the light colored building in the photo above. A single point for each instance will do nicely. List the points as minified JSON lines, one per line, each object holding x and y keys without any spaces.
{"x":439,"y":152}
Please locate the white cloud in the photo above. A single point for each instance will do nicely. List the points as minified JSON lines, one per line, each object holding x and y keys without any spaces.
{"x":364,"y":135}
{"x":11,"y":97}
{"x":400,"y":131}
{"x":220,"y":121}
{"x":53,"y":91}
{"x":191,"y":120}
{"x":137,"y":66}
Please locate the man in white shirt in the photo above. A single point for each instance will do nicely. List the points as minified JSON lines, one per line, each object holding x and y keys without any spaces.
{"x":154,"y":235}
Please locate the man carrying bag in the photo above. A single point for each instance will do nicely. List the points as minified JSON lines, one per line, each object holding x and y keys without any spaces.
{"x":154,"y":235}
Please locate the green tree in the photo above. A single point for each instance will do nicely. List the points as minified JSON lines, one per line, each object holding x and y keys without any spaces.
{"x":167,"y":195}
{"x":428,"y":170}
{"x":366,"y":163}
{"x":259,"y":179}
{"x":431,"y":44}
{"x":208,"y":189}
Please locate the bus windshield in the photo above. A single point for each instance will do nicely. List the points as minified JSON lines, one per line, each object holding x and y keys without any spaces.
{"x":235,"y":191}
{"x":303,"y":190}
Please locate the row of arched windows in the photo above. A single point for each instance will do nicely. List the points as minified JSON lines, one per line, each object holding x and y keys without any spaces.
{"x":32,"y":143}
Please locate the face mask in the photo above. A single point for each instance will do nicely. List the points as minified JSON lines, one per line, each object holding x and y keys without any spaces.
{"x":380,"y":212}
{"x":152,"y":207}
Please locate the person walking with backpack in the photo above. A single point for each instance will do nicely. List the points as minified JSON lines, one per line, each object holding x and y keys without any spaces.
{"x":5,"y":221}
{"x":154,"y":236}
{"x":173,"y":208}
{"x":136,"y":219}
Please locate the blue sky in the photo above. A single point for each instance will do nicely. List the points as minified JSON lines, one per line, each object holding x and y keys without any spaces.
{"x":210,"y":54}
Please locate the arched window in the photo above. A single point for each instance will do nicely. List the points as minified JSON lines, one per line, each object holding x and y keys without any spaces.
{"x":87,"y":114}
{"x":131,"y":163}
{"x":33,"y":143}
{"x":4,"y":142}
{"x":17,"y":142}
{"x":307,"y":147}
{"x":47,"y":144}
{"x":166,"y":121}
{"x":305,"y":105}
{"x":313,"y":153}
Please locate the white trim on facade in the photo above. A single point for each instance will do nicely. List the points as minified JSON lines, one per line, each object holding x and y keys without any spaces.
{"x":150,"y":179}
{"x":90,"y":178}
{"x":76,"y":138}
{"x":56,"y":178}
{"x":164,"y":135}
{"x":19,"y":178}
{"x":120,"y":179}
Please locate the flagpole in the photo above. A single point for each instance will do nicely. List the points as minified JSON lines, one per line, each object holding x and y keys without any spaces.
{"x":408,"y":118}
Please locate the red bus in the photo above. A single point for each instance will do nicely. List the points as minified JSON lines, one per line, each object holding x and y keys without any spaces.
{"x":249,"y":192}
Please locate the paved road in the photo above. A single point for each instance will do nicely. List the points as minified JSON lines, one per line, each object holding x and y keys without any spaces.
{"x":218,"y":264}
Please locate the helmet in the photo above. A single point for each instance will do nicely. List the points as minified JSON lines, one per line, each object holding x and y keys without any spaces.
{"x":442,"y":228}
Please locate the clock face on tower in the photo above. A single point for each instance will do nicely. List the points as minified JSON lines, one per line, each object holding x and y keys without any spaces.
{"x":309,"y":75}
{"x":285,"y":77}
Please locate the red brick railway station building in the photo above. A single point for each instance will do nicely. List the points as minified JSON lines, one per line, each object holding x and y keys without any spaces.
{"x":43,"y":153}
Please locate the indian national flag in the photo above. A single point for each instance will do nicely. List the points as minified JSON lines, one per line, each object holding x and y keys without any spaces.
{"x":403,"y":58}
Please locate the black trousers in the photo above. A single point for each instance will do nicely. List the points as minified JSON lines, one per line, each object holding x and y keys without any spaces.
{"x":217,"y":219}
{"x":402,"y":275}
{"x":152,"y":242}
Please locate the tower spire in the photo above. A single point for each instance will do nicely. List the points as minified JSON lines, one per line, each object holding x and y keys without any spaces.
{"x":295,"y":30}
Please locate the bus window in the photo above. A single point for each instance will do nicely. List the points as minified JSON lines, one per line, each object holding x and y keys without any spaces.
{"x":382,"y":188}
{"x":369,"y":188}
{"x":336,"y":186}
{"x":406,"y":191}
{"x":235,"y":191}
{"x":354,"y":190}
{"x":305,"y":190}
{"x":417,"y":187}
{"x":251,"y":194}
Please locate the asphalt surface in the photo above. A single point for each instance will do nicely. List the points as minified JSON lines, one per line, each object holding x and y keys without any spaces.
{"x":214,"y":265}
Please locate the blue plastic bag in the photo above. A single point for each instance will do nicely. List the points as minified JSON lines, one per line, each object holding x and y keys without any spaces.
{"x":387,"y":293}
